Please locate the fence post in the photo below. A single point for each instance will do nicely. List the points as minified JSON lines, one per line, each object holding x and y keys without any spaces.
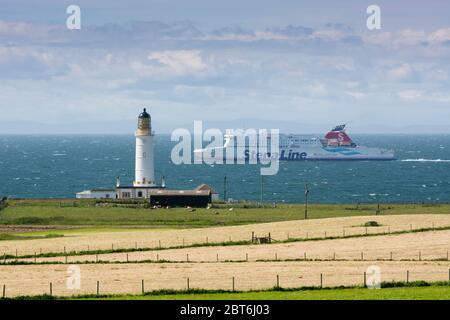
{"x":233,"y":284}
{"x":188,"y":284}
{"x":304,"y":255}
{"x":278,"y":281}
{"x":343,"y":232}
{"x":407,"y":276}
{"x":127,"y":257}
{"x":365,"y":279}
{"x":187,"y":257}
{"x":246,"y":257}
{"x":96,"y":257}
{"x":142,"y":287}
{"x":334,"y":255}
{"x":4,"y":290}
{"x":35,"y":257}
{"x":420,"y":256}
{"x":98,"y":287}
{"x":391,"y":255}
{"x":66,"y":259}
{"x":362,"y":256}
{"x":321,"y":280}
{"x":51,"y":289}
{"x":217,"y":257}
{"x":276,"y":256}
{"x":159,"y":243}
{"x":447,"y":255}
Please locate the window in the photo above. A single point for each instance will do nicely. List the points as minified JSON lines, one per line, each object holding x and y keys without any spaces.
{"x":126,"y":194}
{"x":140,"y":194}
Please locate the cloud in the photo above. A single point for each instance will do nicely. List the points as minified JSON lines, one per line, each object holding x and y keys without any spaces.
{"x":401,"y":72}
{"x":178,"y":68}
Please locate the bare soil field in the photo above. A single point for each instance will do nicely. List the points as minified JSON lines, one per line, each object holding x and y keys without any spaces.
{"x":127,"y":278}
{"x":279,"y":231}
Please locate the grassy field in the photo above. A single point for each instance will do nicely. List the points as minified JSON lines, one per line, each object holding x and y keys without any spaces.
{"x":413,"y":236}
{"x":406,"y":293}
{"x":82,"y":213}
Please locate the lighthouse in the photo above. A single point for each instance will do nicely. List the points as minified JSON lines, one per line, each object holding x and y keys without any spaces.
{"x":144,"y":184}
{"x":144,"y":167}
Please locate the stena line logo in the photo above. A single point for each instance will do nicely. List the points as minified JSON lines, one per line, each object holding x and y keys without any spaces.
{"x":293,"y":155}
{"x":284,"y":155}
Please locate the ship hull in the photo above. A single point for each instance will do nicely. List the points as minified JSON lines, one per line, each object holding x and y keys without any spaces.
{"x":336,"y":153}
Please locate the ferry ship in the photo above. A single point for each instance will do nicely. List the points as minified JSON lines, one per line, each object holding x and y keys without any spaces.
{"x":336,"y":145}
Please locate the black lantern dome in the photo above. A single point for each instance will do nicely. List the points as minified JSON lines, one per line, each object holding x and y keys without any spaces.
{"x":144,"y":114}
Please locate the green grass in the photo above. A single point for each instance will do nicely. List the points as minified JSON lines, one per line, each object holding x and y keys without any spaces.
{"x":433,"y":293}
{"x":419,"y":290}
{"x":40,"y":212}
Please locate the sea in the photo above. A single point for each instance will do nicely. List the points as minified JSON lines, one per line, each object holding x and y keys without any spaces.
{"x":59,"y":166}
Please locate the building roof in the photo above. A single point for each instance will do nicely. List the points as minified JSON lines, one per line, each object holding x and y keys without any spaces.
{"x":165,"y":192}
{"x":96,"y":190}
{"x":204,"y":186}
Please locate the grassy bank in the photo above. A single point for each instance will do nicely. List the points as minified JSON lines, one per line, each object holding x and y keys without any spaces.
{"x":84,"y":213}
{"x":419,"y":290}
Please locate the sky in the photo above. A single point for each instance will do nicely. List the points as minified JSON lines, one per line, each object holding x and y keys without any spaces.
{"x":299,"y":66}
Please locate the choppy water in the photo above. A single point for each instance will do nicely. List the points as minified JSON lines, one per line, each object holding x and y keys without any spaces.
{"x":60,"y":166}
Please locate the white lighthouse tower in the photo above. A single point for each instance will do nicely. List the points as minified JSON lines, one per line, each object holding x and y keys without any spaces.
{"x":144,"y":169}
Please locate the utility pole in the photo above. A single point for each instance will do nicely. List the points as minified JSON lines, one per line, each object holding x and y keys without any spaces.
{"x":225,"y":188}
{"x":306,"y":201}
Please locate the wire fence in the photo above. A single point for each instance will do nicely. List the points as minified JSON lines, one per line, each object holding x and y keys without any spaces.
{"x":230,"y":282}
